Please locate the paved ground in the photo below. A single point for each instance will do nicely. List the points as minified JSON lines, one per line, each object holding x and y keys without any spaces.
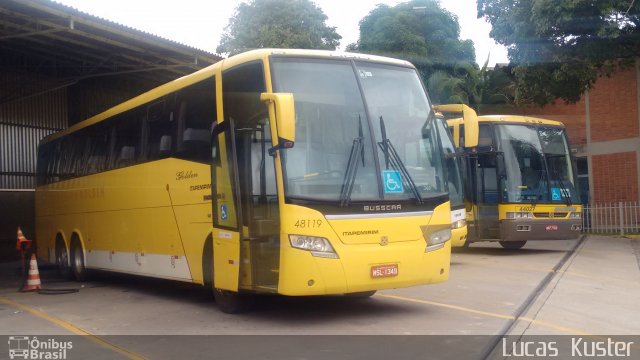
{"x":491,"y":292}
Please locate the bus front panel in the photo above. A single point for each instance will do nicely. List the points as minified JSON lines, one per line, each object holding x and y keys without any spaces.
{"x":521,"y":222}
{"x":368,"y":253}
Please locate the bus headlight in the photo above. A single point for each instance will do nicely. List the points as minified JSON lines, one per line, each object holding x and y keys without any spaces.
{"x":458,"y":224}
{"x":435,"y":239}
{"x":519,"y":215}
{"x":318,"y":246}
{"x":575,"y":215}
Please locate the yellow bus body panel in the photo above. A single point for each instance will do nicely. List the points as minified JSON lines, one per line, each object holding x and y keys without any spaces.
{"x":560,"y":211}
{"x":127,"y":211}
{"x":459,"y":236}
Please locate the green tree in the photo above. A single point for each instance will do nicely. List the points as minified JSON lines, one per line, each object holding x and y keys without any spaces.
{"x":277,"y":24}
{"x":422,"y":32}
{"x":416,"y":28}
{"x":559,"y":48}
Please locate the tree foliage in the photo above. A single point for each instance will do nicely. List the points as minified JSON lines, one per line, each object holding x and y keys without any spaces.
{"x":417,"y":28}
{"x":422,"y":32}
{"x":559,"y":48}
{"x":277,"y":24}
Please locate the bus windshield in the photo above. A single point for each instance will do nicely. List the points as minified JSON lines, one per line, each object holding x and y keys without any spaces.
{"x":336,"y":133}
{"x":538,"y":165}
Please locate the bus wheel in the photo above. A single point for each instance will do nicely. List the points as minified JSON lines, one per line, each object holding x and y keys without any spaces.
{"x":231,"y":302}
{"x":361,"y":295}
{"x":77,"y":261}
{"x":62,"y":259}
{"x":512,"y":245}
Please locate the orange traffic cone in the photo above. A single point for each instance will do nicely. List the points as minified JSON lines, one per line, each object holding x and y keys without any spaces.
{"x":22,"y":243}
{"x":33,"y":279}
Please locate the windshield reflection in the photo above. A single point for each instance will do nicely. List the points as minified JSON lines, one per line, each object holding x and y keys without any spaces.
{"x":333,"y":126}
{"x":537,"y":164}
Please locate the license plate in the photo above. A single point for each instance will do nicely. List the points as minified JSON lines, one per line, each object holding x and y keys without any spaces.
{"x":552,"y":227}
{"x":380,"y":271}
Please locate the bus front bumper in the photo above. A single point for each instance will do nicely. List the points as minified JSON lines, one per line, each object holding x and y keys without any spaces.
{"x":303,"y":274}
{"x":459,"y":236}
{"x":524,"y":230}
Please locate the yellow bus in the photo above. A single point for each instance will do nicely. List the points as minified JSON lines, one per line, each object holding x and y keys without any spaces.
{"x":521,"y":181}
{"x":291,"y":172}
{"x":453,"y":163}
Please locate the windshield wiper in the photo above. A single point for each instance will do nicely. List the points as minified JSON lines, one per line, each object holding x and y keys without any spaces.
{"x":563,"y":188}
{"x":391,"y":157}
{"x":352,"y":167}
{"x":539,"y":191}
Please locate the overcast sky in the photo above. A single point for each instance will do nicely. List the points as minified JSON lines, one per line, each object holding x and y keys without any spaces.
{"x":200,"y":23}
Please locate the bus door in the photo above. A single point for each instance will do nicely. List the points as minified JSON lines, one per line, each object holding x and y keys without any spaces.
{"x":246,"y":196}
{"x":260,"y":210}
{"x":225,"y":209}
{"x":486,"y":192}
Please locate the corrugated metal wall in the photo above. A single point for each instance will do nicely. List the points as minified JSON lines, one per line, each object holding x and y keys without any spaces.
{"x":22,"y":124}
{"x":28,"y":112}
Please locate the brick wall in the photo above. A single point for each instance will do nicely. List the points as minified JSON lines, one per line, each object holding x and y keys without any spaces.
{"x":614,"y":177}
{"x":613,"y":107}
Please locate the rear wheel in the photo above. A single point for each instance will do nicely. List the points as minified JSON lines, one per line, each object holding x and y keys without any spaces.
{"x":512,"y":245}
{"x":361,"y":295}
{"x":77,"y":261}
{"x":62,"y":258}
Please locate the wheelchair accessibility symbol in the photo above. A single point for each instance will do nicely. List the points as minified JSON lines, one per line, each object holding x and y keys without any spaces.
{"x":556,"y":195}
{"x":392,"y":182}
{"x":224,"y":214}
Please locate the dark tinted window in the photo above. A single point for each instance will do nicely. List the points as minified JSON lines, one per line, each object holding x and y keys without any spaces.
{"x":196,"y":109}
{"x":175,"y":125}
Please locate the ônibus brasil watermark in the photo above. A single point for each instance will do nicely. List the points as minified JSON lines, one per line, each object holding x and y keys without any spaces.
{"x":32,"y":348}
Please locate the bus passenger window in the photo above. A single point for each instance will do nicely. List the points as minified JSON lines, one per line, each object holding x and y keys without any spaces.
{"x":127,"y":132}
{"x":160,"y":131}
{"x":196,"y":112}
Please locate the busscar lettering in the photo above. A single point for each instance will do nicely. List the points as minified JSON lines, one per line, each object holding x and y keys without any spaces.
{"x":183,"y":175}
{"x":360,"y":232}
{"x":395,"y":207}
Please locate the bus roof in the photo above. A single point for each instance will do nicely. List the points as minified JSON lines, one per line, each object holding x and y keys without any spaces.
{"x":507,"y":119}
{"x":259,"y":54}
{"x":517,"y":119}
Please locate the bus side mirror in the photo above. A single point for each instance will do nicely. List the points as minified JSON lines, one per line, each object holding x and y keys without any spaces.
{"x":470,"y":121}
{"x":282,"y":110}
{"x":471,"y":130}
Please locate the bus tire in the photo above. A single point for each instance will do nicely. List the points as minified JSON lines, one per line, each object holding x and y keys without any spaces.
{"x":207,"y":264}
{"x":77,"y":260}
{"x":228,"y":301}
{"x":62,"y":258}
{"x":231,"y":302}
{"x":512,"y":245}
{"x":361,"y":294}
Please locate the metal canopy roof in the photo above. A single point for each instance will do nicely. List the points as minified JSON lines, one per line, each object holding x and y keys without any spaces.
{"x":55,"y":40}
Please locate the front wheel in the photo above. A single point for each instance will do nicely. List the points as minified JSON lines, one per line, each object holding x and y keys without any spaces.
{"x":231,"y":302}
{"x":512,"y":245}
